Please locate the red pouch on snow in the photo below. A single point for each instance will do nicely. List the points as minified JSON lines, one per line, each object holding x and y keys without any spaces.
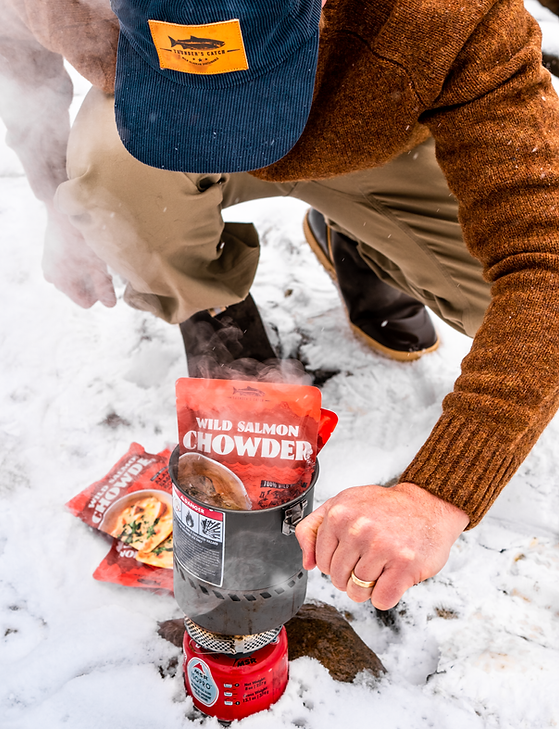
{"x":246,"y":445}
{"x":133,"y":504}
{"x":122,"y":567}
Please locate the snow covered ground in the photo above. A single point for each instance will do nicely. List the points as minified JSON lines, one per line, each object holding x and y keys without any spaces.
{"x":477,"y":646}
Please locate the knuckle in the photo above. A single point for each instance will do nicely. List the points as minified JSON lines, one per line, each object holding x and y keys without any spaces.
{"x":406,"y":556}
{"x":343,"y":519}
{"x":358,"y":526}
{"x":399,"y":555}
{"x":339,"y":514}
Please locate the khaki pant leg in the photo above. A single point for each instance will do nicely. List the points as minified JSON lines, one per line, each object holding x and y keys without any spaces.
{"x":161,"y":231}
{"x":406,"y":223}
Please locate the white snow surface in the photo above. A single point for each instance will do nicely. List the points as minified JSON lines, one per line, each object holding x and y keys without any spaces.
{"x":476,"y":646}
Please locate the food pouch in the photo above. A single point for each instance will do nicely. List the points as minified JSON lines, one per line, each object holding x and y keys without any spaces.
{"x":246,"y":445}
{"x":132,"y":503}
{"x":121,"y":566}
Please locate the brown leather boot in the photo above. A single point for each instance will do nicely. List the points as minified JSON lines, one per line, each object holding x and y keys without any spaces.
{"x":390,"y":321}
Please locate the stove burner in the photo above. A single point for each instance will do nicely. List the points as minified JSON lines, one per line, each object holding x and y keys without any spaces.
{"x":230,"y":644}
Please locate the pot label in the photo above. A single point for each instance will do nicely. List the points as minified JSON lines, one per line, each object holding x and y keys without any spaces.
{"x":202,"y":685}
{"x":198,"y":535}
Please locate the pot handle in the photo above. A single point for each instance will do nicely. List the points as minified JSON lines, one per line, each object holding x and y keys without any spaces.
{"x":292,"y":516}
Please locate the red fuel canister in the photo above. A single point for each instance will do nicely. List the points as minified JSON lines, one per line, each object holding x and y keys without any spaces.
{"x":235,"y":686}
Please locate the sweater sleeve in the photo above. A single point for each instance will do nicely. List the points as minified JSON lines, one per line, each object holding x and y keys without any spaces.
{"x":496,"y":128}
{"x":35,"y":94}
{"x":84,"y":32}
{"x":35,"y":89}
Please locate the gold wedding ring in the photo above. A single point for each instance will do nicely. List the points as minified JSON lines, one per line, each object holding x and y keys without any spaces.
{"x":362,"y":583}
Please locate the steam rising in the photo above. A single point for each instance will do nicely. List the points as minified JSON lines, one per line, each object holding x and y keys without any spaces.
{"x":213,"y":354}
{"x":287,"y":371}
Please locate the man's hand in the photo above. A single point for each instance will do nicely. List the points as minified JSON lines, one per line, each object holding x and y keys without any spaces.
{"x":397,"y":536}
{"x":71,"y":265}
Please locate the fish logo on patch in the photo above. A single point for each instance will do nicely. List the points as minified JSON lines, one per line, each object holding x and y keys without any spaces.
{"x":197,"y":44}
{"x":199,"y":49}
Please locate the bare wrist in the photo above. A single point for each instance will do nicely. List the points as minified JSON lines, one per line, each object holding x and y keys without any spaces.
{"x":439,"y":506}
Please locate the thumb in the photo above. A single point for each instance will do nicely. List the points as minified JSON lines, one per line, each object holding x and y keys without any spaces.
{"x":104,"y":289}
{"x":306,"y":532}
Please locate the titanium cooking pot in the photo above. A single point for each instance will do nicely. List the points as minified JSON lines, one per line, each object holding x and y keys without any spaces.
{"x":237,"y":572}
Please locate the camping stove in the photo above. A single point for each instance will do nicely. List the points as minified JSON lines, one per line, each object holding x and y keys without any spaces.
{"x":233,"y":676}
{"x":238,"y":578}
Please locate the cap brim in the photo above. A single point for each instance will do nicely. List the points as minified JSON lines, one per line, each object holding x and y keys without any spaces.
{"x":196,"y":129}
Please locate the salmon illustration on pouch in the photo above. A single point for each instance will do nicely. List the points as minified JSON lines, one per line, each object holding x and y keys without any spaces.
{"x":246,"y":445}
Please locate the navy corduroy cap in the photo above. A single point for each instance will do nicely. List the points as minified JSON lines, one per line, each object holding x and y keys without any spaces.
{"x":214,"y":85}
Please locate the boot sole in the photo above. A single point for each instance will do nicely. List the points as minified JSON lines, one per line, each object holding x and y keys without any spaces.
{"x":328,"y":266}
{"x":317,"y":249}
{"x":395,"y":354}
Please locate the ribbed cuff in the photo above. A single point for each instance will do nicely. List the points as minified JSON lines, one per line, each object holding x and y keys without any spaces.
{"x":465,"y":463}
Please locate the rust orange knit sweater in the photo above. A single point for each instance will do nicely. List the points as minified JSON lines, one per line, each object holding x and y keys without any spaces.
{"x":391,"y":72}
{"x":471,"y":74}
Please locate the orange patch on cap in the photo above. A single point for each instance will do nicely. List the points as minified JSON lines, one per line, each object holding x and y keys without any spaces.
{"x":200,"y":49}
